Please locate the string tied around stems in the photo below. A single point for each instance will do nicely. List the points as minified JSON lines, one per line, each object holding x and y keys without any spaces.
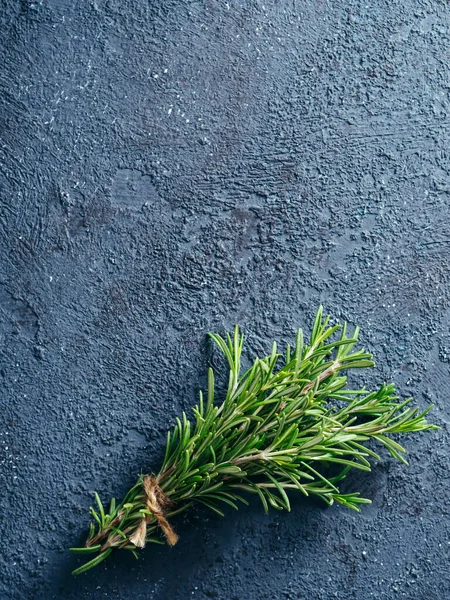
{"x":156,"y":502}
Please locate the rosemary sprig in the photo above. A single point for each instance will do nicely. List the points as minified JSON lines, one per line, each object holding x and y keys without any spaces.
{"x":281,"y":426}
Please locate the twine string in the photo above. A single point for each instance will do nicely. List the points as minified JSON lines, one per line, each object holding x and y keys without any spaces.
{"x":156,"y":502}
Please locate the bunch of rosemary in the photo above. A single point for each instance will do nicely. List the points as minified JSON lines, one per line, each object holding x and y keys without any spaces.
{"x":281,"y":426}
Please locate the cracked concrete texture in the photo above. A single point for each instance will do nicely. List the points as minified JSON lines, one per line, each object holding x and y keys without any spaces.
{"x":173,"y":168}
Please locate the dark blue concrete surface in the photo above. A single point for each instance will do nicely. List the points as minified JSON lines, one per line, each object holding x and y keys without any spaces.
{"x":172,"y":168}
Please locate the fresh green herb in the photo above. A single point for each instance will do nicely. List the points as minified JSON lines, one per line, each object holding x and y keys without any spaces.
{"x":287,"y":423}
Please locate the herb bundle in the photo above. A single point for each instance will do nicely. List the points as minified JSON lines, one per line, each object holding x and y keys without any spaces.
{"x":287,"y":423}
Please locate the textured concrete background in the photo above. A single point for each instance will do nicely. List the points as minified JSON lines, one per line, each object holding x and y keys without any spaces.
{"x":174,"y":167}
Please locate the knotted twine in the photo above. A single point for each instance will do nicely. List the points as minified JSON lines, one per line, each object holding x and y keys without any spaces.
{"x":156,"y":501}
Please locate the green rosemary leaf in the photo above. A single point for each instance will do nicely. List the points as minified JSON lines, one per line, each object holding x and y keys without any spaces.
{"x":224,"y":498}
{"x":351,"y":500}
{"x":96,"y":517}
{"x":284,"y":498}
{"x":92,"y":563}
{"x":298,"y":351}
{"x":100,"y":507}
{"x":88,"y":550}
{"x":211,"y":506}
{"x":112,"y":507}
{"x":210,"y":390}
